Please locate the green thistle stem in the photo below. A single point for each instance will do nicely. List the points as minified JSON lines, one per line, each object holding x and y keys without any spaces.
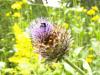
{"x":75,"y":67}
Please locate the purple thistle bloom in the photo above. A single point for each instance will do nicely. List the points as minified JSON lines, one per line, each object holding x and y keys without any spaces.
{"x":40,"y":29}
{"x":52,"y":41}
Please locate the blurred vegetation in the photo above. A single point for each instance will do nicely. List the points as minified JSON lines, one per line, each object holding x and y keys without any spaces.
{"x":16,"y":52}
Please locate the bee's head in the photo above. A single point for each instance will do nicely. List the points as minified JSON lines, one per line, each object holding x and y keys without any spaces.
{"x":43,"y":25}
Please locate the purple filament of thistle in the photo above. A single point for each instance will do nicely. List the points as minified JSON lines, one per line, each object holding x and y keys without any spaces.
{"x":41,"y":29}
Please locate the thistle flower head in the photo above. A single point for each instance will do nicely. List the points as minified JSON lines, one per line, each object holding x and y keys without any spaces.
{"x":40,"y":29}
{"x":51,"y":40}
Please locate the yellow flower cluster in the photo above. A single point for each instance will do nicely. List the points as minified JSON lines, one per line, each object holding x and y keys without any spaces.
{"x":17,"y":14}
{"x":23,"y":46}
{"x":17,"y":5}
{"x":90,"y":49}
{"x":65,"y":25}
{"x":95,"y":8}
{"x":92,"y":11}
{"x":95,"y":18}
{"x":89,"y":58}
{"x":8,"y":14}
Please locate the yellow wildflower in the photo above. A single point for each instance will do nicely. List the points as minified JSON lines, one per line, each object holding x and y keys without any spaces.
{"x":17,"y":14}
{"x":23,"y":46}
{"x":95,"y":8}
{"x":14,"y":59}
{"x":8,"y":14}
{"x":17,"y":5}
{"x":18,"y":59}
{"x":90,"y":49}
{"x":84,"y":10}
{"x":91,"y":12}
{"x":65,"y":25}
{"x":16,"y":29}
{"x":95,"y":18}
{"x":89,"y":58}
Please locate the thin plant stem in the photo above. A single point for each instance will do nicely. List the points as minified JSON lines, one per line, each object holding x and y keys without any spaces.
{"x":75,"y":67}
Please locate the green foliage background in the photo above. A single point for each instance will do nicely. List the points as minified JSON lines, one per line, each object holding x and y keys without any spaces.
{"x":85,"y":31}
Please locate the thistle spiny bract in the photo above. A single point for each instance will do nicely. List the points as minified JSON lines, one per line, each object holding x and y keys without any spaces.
{"x":51,"y":40}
